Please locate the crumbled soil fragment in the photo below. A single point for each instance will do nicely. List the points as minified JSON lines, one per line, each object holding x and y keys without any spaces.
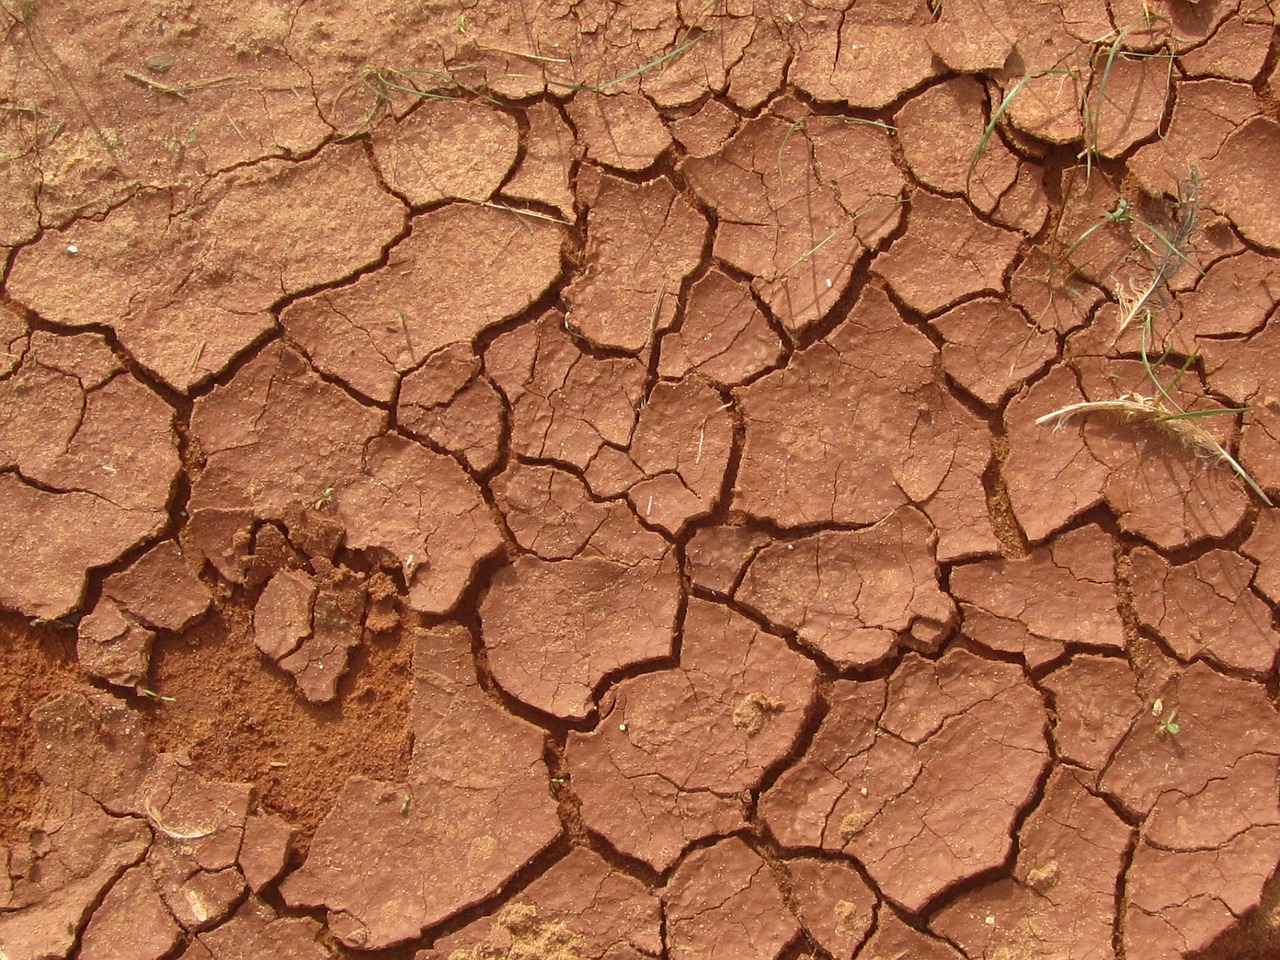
{"x":1240,"y":179}
{"x":1060,"y":902}
{"x":580,"y":909}
{"x":282,"y":616}
{"x":799,"y":205}
{"x":899,"y":772}
{"x":463,"y":268}
{"x":460,"y":827}
{"x":255,"y":931}
{"x":423,"y":510}
{"x":217,"y":265}
{"x":446,"y":149}
{"x":111,"y":647}
{"x":868,"y":62}
{"x":639,"y":784}
{"x":132,"y":922}
{"x":946,"y":254}
{"x":265,"y":849}
{"x":160,"y":589}
{"x":1061,"y":594}
{"x":320,"y":658}
{"x":642,"y":241}
{"x":554,"y":628}
{"x":938,"y":129}
{"x":722,"y":902}
{"x":1203,"y":859}
{"x":1205,"y":609}
{"x":850,"y":595}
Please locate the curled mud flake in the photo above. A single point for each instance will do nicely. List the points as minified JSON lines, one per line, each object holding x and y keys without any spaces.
{"x":1060,"y":903}
{"x":946,"y":254}
{"x":938,"y":128}
{"x":1236,"y":51}
{"x":112,"y":647}
{"x":973,"y":36}
{"x":724,"y":336}
{"x":1204,"y":608}
{"x":131,"y":922}
{"x":1046,"y":106}
{"x":274,"y":438}
{"x":991,"y":349}
{"x":565,"y":403}
{"x":800,"y":204}
{"x":1263,"y":546}
{"x":77,"y":851}
{"x":186,"y":290}
{"x":160,"y":589}
{"x":254,"y":930}
{"x":850,"y":594}
{"x":1219,"y":721}
{"x":446,"y":149}
{"x":833,"y":903}
{"x":830,"y":438}
{"x":1239,"y":181}
{"x":722,"y":901}
{"x":674,"y":468}
{"x":555,"y":629}
{"x":1236,"y":296}
{"x":463,"y":268}
{"x":923,"y":801}
{"x":1050,"y":473}
{"x":1129,"y":109}
{"x":864,"y":64}
{"x":581,"y":908}
{"x":742,"y":688}
{"x":422,"y":509}
{"x":448,"y":402}
{"x":1205,"y":113}
{"x":1203,"y":859}
{"x":1062,"y":593}
{"x":550,"y":151}
{"x":1095,"y":702}
{"x":394,"y":859}
{"x":642,"y":241}
{"x":619,"y":130}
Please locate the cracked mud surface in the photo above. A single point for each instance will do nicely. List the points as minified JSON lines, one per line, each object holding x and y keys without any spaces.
{"x":562,"y":480}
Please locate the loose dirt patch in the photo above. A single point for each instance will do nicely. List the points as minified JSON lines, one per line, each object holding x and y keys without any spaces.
{"x":607,"y":481}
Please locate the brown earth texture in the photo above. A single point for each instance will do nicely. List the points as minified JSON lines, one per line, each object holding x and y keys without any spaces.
{"x":639,"y":480}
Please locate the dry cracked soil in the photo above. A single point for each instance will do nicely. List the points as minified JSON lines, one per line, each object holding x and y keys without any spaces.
{"x":590,"y":480}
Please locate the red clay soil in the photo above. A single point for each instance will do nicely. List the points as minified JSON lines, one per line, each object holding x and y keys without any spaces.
{"x":609,"y":481}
